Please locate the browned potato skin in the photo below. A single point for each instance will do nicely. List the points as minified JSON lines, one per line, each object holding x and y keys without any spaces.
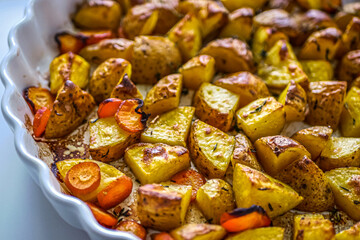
{"x":349,"y":11}
{"x":307,"y":179}
{"x":326,"y":5}
{"x":245,"y":84}
{"x":351,"y":36}
{"x":168,"y":17}
{"x":325,"y":101}
{"x":126,"y":89}
{"x":350,"y":67}
{"x":287,"y":5}
{"x":71,"y":107}
{"x":239,"y":25}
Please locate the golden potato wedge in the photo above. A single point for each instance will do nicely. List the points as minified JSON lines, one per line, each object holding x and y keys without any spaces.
{"x":244,"y":153}
{"x":72,"y":105}
{"x":214,"y":198}
{"x":326,"y":5}
{"x":68,"y":66}
{"x":106,"y":76}
{"x":164,"y":95}
{"x":108,"y":48}
{"x":96,"y":14}
{"x":154,"y":57}
{"x":199,"y":231}
{"x":125,"y":89}
{"x":253,"y":187}
{"x":239,"y":25}
{"x":325,"y":100}
{"x":349,"y":121}
{"x":340,"y":152}
{"x":314,"y":139}
{"x":265,"y":233}
{"x":108,"y":141}
{"x":235,"y":4}
{"x":210,"y":149}
{"x":260,"y":118}
{"x":171,"y":128}
{"x":352,"y":233}
{"x":351,"y":36}
{"x":145,"y":159}
{"x":318,"y":70}
{"x":198,"y":70}
{"x":312,"y":227}
{"x":248,"y":86}
{"x":349,"y":68}
{"x":231,"y":55}
{"x":294,"y":100}
{"x":163,"y":207}
{"x":168,"y":16}
{"x":38,"y":97}
{"x":216,"y":106}
{"x":349,"y":10}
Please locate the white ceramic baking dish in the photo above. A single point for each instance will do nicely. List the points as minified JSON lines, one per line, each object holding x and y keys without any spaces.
{"x":32,"y":48}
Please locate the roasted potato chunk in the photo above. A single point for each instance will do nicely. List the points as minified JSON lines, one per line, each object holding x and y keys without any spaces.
{"x":318,"y":70}
{"x":163,"y":207}
{"x":248,"y":86}
{"x":260,"y":118}
{"x":294,"y":100}
{"x":200,"y":231}
{"x":198,"y":70}
{"x":108,"y":141}
{"x":235,"y":4}
{"x":96,"y":14}
{"x":239,"y":25}
{"x":314,"y":139}
{"x":68,"y":66}
{"x":125,"y":89}
{"x":71,"y":107}
{"x":349,"y":121}
{"x":265,"y":233}
{"x":37,"y":97}
{"x":350,"y":67}
{"x":106,"y":76}
{"x":352,"y":233}
{"x":325,"y":100}
{"x":146,"y":158}
{"x":170,"y":128}
{"x":340,"y":152}
{"x":164,"y":95}
{"x":245,"y":153}
{"x":277,"y":152}
{"x":312,"y":227}
{"x":326,"y":5}
{"x":254,"y":187}
{"x":231,"y":55}
{"x":210,"y":149}
{"x":216,"y":106}
{"x":154,"y":58}
{"x":214,"y":198}
{"x":351,"y":36}
{"x":108,"y":48}
{"x":349,"y":11}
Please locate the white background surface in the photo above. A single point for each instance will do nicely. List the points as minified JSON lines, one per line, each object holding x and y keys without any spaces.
{"x":25,"y":213}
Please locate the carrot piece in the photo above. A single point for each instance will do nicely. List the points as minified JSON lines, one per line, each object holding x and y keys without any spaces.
{"x":102,"y":216}
{"x":163,"y":236}
{"x":192,"y":178}
{"x":245,"y":218}
{"x":132,"y":227}
{"x":115,"y":192}
{"x":130,"y":117}
{"x":69,"y":43}
{"x":83,"y":178}
{"x":109,"y":107}
{"x":93,"y":37}
{"x":37,"y":97}
{"x":41,"y":119}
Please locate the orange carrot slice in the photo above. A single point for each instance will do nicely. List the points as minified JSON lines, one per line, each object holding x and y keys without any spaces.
{"x":163,"y":236}
{"x":109,"y":107}
{"x":130,"y":117}
{"x":102,"y":216}
{"x":192,"y":178}
{"x":132,"y":227}
{"x":93,"y":37}
{"x":41,"y":119}
{"x":69,"y":43}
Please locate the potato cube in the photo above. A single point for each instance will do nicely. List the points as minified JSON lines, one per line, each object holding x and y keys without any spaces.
{"x":125,"y":89}
{"x":210,"y":149}
{"x":244,"y":153}
{"x":200,"y":231}
{"x":318,"y":70}
{"x":313,"y":227}
{"x":349,"y":68}
{"x":350,"y":116}
{"x":235,"y":4}
{"x":265,"y":233}
{"x":171,"y":128}
{"x":239,"y":25}
{"x":351,"y":36}
{"x":163,"y":207}
{"x":352,"y":233}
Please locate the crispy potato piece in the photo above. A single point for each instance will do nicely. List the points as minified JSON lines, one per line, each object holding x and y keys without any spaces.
{"x":351,"y":36}
{"x":352,"y":233}
{"x":71,"y":107}
{"x":106,"y":76}
{"x":326,"y":5}
{"x":321,"y":45}
{"x":325,"y":100}
{"x":318,"y":70}
{"x":235,"y":4}
{"x":312,"y":227}
{"x":216,"y":106}
{"x":199,"y":231}
{"x":170,"y":128}
{"x":96,"y":14}
{"x":163,"y":207}
{"x":146,"y":158}
{"x":214,"y":198}
{"x":168,"y":16}
{"x":108,"y":48}
{"x":198,"y":70}
{"x":350,"y":66}
{"x":340,"y":152}
{"x":294,"y":100}
{"x":239,"y":25}
{"x":210,"y":149}
{"x":37,"y":97}
{"x":264,"y":233}
{"x":248,"y":86}
{"x":314,"y":139}
{"x":245,"y":153}
{"x":154,"y":57}
{"x":349,"y":121}
{"x":108,"y":141}
{"x":306,"y":178}
{"x":164,"y":95}
{"x":343,"y":17}
{"x":231,"y":55}
{"x":68,"y":66}
{"x":277,"y":152}
{"x":260,"y":118}
{"x":125,"y":89}
{"x":253,"y":187}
